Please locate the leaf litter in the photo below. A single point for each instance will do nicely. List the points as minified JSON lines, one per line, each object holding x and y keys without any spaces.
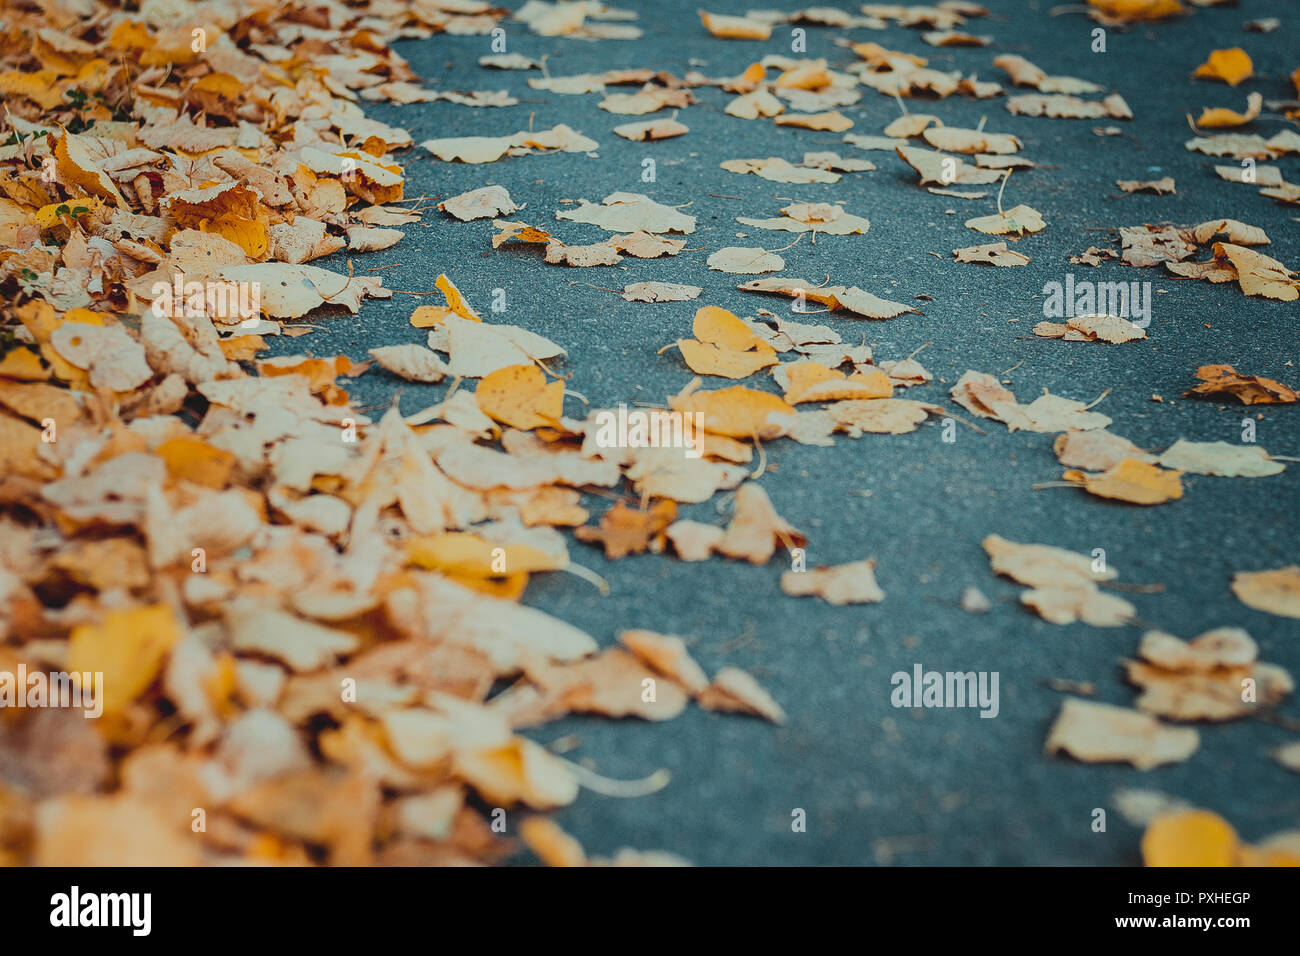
{"x":394,"y":552}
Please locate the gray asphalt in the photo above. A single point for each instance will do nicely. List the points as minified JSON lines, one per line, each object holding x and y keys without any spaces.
{"x":881,"y":785}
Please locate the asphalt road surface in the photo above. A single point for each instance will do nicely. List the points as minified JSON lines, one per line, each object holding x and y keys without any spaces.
{"x":880,"y":784}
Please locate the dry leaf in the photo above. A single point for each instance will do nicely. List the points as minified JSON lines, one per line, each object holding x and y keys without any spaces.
{"x":660,"y":292}
{"x":625,"y":530}
{"x":1221,"y":117}
{"x":519,"y":396}
{"x":833,"y":122}
{"x":1018,"y":219}
{"x":1220,"y":458}
{"x":853,"y":583}
{"x":1132,"y":480}
{"x":744,"y":260}
{"x":735,"y":28}
{"x":629,"y":212}
{"x":1221,"y":380}
{"x":734,"y":690}
{"x":414,"y":363}
{"x":992,"y":254}
{"x":1277,"y":591}
{"x":1231,"y":66}
{"x":1100,"y":733}
{"x":1190,"y":838}
{"x":489,"y":201}
{"x":654,"y":129}
{"x":724,"y":346}
{"x":1161,"y":187}
{"x":1097,"y":450}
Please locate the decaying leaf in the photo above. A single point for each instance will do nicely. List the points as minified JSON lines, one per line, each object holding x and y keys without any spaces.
{"x":1223,"y":380}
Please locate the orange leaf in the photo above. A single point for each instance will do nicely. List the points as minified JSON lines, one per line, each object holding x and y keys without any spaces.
{"x":1231,"y":66}
{"x":518,"y":395}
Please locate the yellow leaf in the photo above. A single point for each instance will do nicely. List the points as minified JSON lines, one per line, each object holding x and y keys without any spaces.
{"x":517,"y":395}
{"x":128,"y":648}
{"x":1132,"y":480}
{"x":24,"y":365}
{"x":192,"y":459}
{"x":47,"y":217}
{"x":1190,"y":838}
{"x":726,"y":346}
{"x":737,"y":412}
{"x":455,"y":301}
{"x":1137,"y":10}
{"x":469,"y":555}
{"x":1220,"y":117}
{"x":1232,"y":66}
{"x":77,"y":168}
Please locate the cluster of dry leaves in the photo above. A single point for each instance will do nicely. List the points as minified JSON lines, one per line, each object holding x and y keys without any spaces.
{"x":308,"y":621}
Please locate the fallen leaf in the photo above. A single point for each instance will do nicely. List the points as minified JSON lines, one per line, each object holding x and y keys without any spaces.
{"x":625,"y":530}
{"x":1277,"y":591}
{"x":629,"y":212}
{"x":1190,"y":838}
{"x":1220,"y":380}
{"x":652,"y":130}
{"x":489,"y":201}
{"x":660,"y":292}
{"x":1220,"y":458}
{"x":1132,"y":480}
{"x":724,"y":346}
{"x":853,"y":583}
{"x":1100,"y":733}
{"x":519,"y":396}
{"x":992,"y":254}
{"x":744,"y":260}
{"x":1161,"y":187}
{"x":1018,"y":219}
{"x":1221,"y":117}
{"x":736,"y":691}
{"x":735,"y":28}
{"x":1231,"y":66}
